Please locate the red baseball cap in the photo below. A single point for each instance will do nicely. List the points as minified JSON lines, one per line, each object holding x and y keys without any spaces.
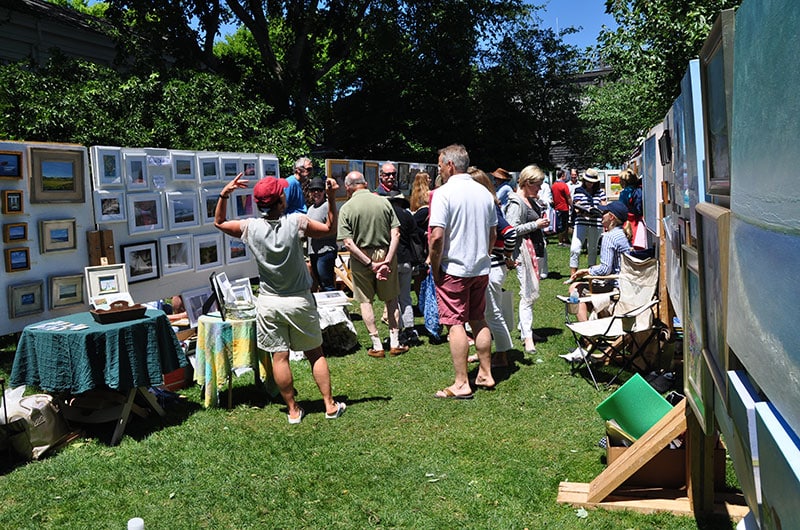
{"x":268,"y":190}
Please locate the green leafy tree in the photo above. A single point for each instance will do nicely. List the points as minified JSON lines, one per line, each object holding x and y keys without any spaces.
{"x":649,"y":54}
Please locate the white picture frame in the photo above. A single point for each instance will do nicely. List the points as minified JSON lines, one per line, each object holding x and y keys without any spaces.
{"x":193,"y":301}
{"x":184,"y":166}
{"x":105,"y":280}
{"x":269,"y":167}
{"x":136,"y":175}
{"x":250,"y":168}
{"x":176,"y":254}
{"x":109,"y":206}
{"x":242,"y":204}
{"x":208,"y":167}
{"x":182,"y":209}
{"x":208,"y":204}
{"x":235,"y":250}
{"x":145,"y":213}
{"x":106,"y":166}
{"x":208,"y":251}
{"x":229,"y":166}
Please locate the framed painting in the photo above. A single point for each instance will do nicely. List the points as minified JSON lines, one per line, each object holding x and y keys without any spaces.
{"x":57,"y":175}
{"x":338,"y":169}
{"x":105,"y":280}
{"x":15,"y":232}
{"x":193,"y":301}
{"x":145,"y":213}
{"x":235,"y":250}
{"x":57,"y":235}
{"x":109,"y":206}
{"x":18,"y":259}
{"x":716,"y":78}
{"x":208,"y":251}
{"x":208,"y":204}
{"x":176,"y":253}
{"x":183,"y":166}
{"x":250,"y":168}
{"x":404,"y":177}
{"x":25,"y":299}
{"x":12,"y":202}
{"x":269,"y":167}
{"x":713,"y":234}
{"x":208,"y":167}
{"x":135,"y":171}
{"x":182,"y":209}
{"x":106,"y":166}
{"x":10,"y":165}
{"x":66,"y":290}
{"x":141,"y":261}
{"x":243,"y":204}
{"x":371,"y":174}
{"x":230,"y":167}
{"x":696,"y":380}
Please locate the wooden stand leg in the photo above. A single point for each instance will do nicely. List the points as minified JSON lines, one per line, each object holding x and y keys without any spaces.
{"x":151,"y":401}
{"x":700,"y":463}
{"x":123,"y":419}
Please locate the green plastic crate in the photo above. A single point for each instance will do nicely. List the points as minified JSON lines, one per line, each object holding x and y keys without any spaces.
{"x":635,"y":406}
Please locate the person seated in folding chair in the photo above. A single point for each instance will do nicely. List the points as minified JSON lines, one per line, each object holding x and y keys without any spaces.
{"x":615,"y":242}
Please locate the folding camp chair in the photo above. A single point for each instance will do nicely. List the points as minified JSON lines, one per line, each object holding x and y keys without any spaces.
{"x":631,"y":326}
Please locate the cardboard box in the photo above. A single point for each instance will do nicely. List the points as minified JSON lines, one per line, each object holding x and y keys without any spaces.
{"x":668,"y":468}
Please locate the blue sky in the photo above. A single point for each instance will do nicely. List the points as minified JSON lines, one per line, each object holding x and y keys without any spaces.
{"x":588,"y":14}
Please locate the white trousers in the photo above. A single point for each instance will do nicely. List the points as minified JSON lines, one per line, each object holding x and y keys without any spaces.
{"x":592,"y":235}
{"x":494,"y":309}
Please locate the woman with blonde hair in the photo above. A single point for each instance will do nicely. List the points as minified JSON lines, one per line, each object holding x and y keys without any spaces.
{"x":418,"y":204}
{"x":502,"y":259}
{"x":524,"y":212}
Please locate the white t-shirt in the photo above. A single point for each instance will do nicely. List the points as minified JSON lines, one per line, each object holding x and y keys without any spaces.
{"x":466,"y":211}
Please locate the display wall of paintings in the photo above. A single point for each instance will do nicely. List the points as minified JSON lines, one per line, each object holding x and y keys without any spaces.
{"x":57,"y":175}
{"x":406,"y":172}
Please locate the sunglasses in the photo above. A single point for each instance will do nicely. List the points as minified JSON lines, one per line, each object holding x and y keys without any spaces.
{"x":389,"y":174}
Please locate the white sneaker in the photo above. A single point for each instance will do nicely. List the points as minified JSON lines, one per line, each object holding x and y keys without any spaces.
{"x":575,"y":355}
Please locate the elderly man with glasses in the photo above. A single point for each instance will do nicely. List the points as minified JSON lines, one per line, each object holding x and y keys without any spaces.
{"x":387,"y":180}
{"x":295,"y":199}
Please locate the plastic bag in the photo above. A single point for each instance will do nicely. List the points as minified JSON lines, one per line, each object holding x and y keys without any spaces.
{"x":34,"y":424}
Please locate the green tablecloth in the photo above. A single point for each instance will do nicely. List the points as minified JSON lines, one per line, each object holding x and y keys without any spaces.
{"x":119,"y":356}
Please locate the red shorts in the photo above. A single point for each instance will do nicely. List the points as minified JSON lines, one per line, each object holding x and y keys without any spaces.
{"x":461,"y":300}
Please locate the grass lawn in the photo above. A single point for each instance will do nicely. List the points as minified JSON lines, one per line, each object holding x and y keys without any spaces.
{"x":398,"y":458}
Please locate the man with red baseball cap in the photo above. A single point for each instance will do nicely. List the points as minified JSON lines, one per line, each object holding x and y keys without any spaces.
{"x":287,"y":315}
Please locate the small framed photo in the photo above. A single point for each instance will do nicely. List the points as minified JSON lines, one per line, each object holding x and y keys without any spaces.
{"x":193,"y":301}
{"x":183,"y":166}
{"x":208,"y":204}
{"x":105,"y":280}
{"x":230,"y":167}
{"x":10,"y":165}
{"x":696,"y":382}
{"x":57,"y":175}
{"x":109,"y":206}
{"x":242,"y":204}
{"x":25,"y":299}
{"x":15,"y":232}
{"x":107,"y":166}
{"x":145,"y":213}
{"x":370,"y":174}
{"x":66,"y":290}
{"x":57,"y":235}
{"x":176,"y":254}
{"x":182,"y":209}
{"x":269,"y":168}
{"x":12,"y":202}
{"x":141,"y":261}
{"x":235,"y":250}
{"x":250,"y":168}
{"x":18,"y":259}
{"x":338,"y":169}
{"x":208,"y":167}
{"x":208,"y":252}
{"x":135,"y":174}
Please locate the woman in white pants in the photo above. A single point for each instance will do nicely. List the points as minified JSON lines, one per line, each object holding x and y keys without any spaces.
{"x":588,"y":219}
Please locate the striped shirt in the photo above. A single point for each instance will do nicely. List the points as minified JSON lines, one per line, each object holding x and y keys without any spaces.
{"x":582,"y":198}
{"x":614,"y":243}
{"x":506,"y":240}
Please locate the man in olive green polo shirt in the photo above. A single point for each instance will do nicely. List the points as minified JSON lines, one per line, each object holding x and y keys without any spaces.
{"x":371,"y":232}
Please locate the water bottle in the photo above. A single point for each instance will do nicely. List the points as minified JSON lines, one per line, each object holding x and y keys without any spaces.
{"x":573,"y":297}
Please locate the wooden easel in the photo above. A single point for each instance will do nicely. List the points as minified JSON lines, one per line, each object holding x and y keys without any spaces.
{"x":342,"y":270}
{"x":605,"y":490}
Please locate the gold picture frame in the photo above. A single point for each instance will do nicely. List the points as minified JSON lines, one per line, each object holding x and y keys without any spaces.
{"x":12,"y":202}
{"x":13,"y":232}
{"x":17,"y":259}
{"x":57,"y":235}
{"x":10,"y":165}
